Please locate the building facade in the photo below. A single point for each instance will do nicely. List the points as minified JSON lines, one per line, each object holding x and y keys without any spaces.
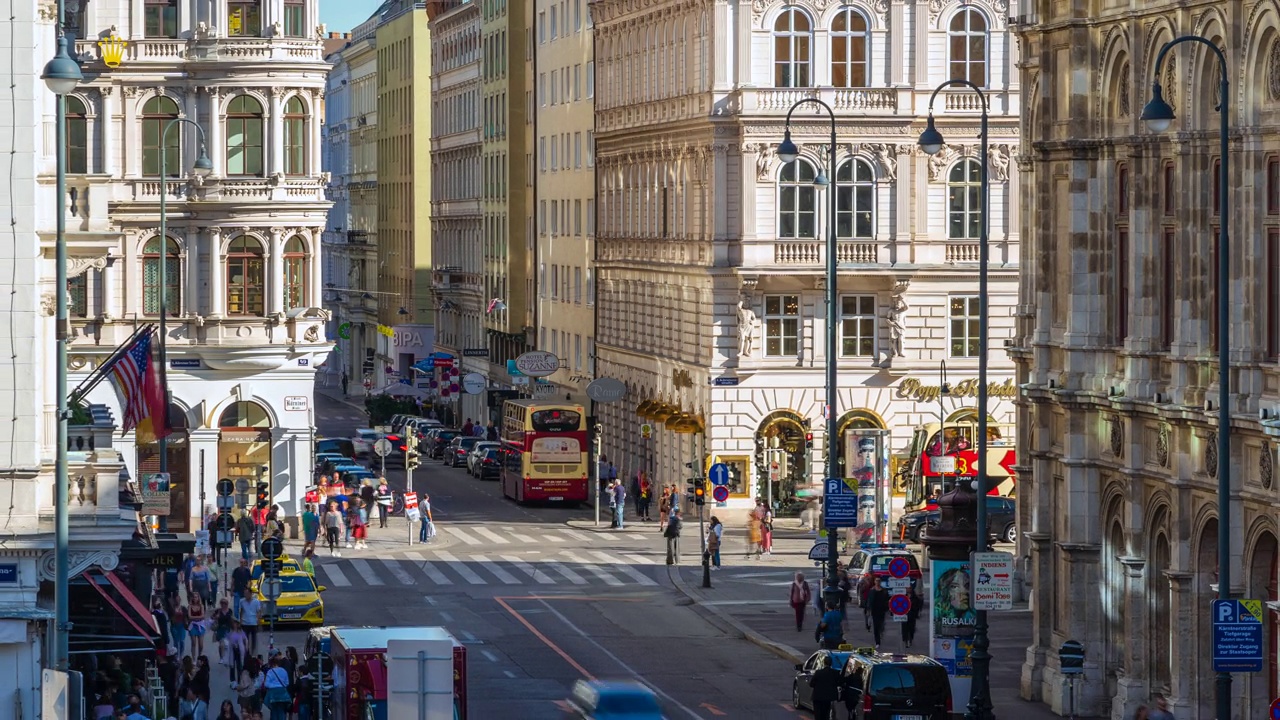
{"x":351,"y":234}
{"x":711,"y":251}
{"x":1117,"y":345}
{"x":457,"y":227}
{"x":242,"y":287}
{"x":566,"y":193}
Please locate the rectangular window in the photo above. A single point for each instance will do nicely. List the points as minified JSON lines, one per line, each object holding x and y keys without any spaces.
{"x":591,"y":148}
{"x":591,"y":287}
{"x":577,"y":352}
{"x":555,"y":95}
{"x":542,"y":153}
{"x":78,"y":290}
{"x":244,"y":19}
{"x":542,"y":27}
{"x":542,"y":217}
{"x":555,"y":25}
{"x":577,"y":286}
{"x":1273,"y":186}
{"x":577,"y":81}
{"x":555,"y":155}
{"x":964,"y":315}
{"x":1167,"y":182}
{"x":555,"y":282}
{"x":1168,"y":310}
{"x":555,"y":217}
{"x":542,"y":89}
{"x":577,"y":218}
{"x":542,"y":293}
{"x":591,"y":79}
{"x":160,"y":19}
{"x":295,"y":18}
{"x":591,"y":217}
{"x":152,"y":130}
{"x":1217,"y":187}
{"x":781,"y":325}
{"x":244,"y":145}
{"x":577,"y":15}
{"x":577,"y":150}
{"x":1273,"y":293}
{"x":1121,"y":307}
{"x":1122,"y":189}
{"x":858,"y":326}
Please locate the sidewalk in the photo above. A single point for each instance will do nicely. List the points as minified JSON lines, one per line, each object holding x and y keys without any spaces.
{"x":335,"y":394}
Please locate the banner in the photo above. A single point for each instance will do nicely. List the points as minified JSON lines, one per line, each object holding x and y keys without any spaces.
{"x":866,"y":463}
{"x":953,"y":620}
{"x":155,"y":494}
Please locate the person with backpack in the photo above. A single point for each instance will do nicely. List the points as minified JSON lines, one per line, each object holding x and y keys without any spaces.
{"x":800,"y":598}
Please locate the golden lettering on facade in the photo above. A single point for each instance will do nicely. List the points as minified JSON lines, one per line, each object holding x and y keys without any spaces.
{"x":913,"y":389}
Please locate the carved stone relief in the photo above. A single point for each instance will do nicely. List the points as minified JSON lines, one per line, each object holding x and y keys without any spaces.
{"x":1266,"y":465}
{"x":79,"y":562}
{"x":938,"y":163}
{"x":1273,"y":72}
{"x":48,"y":304}
{"x":886,"y":156}
{"x":78,"y":266}
{"x":1116,"y":436}
{"x":1162,"y":446}
{"x":1211,"y":455}
{"x":998,"y":162}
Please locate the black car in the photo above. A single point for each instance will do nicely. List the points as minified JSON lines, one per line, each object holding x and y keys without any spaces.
{"x":801,"y":693}
{"x":1002,"y":520}
{"x":491,"y":465}
{"x":440,"y":440}
{"x":456,"y":453}
{"x":898,"y":687}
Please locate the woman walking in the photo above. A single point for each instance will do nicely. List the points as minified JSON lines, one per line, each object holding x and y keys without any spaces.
{"x":197,"y":625}
{"x":753,"y":536}
{"x":800,"y":599}
{"x":766,"y":531}
{"x":878,"y":604}
{"x":199,"y":581}
{"x":913,"y":615}
{"x":276,"y":684}
{"x":333,"y":526}
{"x":178,"y":630}
{"x":664,"y":508}
{"x":236,"y":652}
{"x":359,"y":519}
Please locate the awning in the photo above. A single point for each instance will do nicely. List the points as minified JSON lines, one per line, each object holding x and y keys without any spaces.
{"x":129,"y":617}
{"x":137,"y":605}
{"x":110,"y":618}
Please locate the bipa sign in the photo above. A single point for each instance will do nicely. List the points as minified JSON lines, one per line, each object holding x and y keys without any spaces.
{"x":538,"y":363}
{"x":407,"y":338}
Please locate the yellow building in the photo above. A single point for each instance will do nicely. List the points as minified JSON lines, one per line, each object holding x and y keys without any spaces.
{"x":508,"y":183}
{"x":404,"y":171}
{"x":566,"y":207}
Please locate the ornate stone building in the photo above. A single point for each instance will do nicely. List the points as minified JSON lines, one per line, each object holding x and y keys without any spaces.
{"x":1116,"y":347}
{"x":711,"y":250}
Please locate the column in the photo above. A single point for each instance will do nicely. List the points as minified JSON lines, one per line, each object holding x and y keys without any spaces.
{"x":131,"y":147}
{"x":897,"y":50}
{"x":190,"y":143}
{"x":106,"y":124}
{"x":276,"y":136}
{"x":129,"y":274}
{"x":191,"y":271}
{"x":314,"y":279}
{"x":217,"y":143}
{"x":186,"y":20}
{"x":275,"y":279}
{"x":110,"y":308}
{"x":314,"y":162}
{"x":217,"y":286}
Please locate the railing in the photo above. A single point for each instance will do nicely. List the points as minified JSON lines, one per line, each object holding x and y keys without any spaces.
{"x":791,"y":252}
{"x":782,"y":99}
{"x":965,"y":252}
{"x":964,"y":101}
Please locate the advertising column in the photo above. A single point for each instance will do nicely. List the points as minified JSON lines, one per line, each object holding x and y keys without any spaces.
{"x":867,"y":467}
{"x":953,"y":620}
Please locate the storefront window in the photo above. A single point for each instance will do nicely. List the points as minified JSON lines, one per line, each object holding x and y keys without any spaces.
{"x":244,"y":447}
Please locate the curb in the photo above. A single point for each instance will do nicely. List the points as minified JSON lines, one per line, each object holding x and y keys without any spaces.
{"x":729,"y":625}
{"x":339,"y":398}
{"x":604,"y":529}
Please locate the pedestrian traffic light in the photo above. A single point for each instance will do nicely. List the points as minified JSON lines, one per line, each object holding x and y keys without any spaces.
{"x":700,"y":492}
{"x":264,"y":494}
{"x":808,"y":441}
{"x":411,"y":459}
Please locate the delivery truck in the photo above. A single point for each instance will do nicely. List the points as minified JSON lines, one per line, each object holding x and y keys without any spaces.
{"x":406,"y":673}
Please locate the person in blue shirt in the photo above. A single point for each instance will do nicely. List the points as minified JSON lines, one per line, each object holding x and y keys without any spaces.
{"x":830,"y":633}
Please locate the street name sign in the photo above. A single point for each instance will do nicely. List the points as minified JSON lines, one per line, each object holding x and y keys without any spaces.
{"x":839,"y":504}
{"x":1237,"y":636}
{"x":993,"y":581}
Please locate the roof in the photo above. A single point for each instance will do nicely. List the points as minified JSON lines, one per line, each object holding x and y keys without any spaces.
{"x":376,"y":638}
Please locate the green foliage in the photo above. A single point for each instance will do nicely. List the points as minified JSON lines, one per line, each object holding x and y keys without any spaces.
{"x":80,"y":415}
{"x":382,"y":407}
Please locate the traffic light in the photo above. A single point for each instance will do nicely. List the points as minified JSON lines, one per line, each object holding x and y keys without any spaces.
{"x":690,"y":490}
{"x":264,"y":494}
{"x":808,"y":441}
{"x":411,"y":459}
{"x":700,"y":492}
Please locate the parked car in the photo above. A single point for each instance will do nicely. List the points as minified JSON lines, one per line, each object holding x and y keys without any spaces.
{"x":440,"y":442}
{"x":363,"y":441}
{"x":342,"y":446}
{"x":477,"y":454}
{"x":456,"y":454}
{"x":489,"y":467}
{"x":1002,"y":520}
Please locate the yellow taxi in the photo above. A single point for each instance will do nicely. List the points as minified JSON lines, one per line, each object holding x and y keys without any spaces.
{"x":287,"y":565}
{"x":299,"y":600}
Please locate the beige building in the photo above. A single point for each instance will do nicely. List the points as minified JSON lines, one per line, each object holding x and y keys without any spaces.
{"x":1117,"y":343}
{"x":712,"y":251}
{"x":566,"y":191}
{"x":456,"y":217}
{"x":404,"y":265}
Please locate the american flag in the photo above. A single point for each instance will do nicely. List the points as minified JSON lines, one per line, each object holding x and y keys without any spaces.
{"x":128,"y":374}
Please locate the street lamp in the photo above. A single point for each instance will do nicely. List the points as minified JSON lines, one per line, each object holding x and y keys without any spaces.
{"x":788,"y":152}
{"x":61,"y":75}
{"x":200,"y":168}
{"x":932,"y":142}
{"x":1158,"y":115}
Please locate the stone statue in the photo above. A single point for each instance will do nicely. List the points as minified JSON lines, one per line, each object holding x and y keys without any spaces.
{"x":312,"y":334}
{"x":746,"y":328}
{"x":998,"y":159}
{"x":885,"y":156}
{"x":897,"y":324}
{"x":764,"y":160}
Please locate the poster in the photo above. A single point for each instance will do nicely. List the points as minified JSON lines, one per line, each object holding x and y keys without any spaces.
{"x":953,"y":616}
{"x":867,"y":472}
{"x":155,"y":494}
{"x":556,"y":450}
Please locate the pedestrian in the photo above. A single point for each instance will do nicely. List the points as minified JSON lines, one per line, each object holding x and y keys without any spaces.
{"x":646,"y":496}
{"x":345,"y":380}
{"x":1159,"y":708}
{"x":878,"y":603}
{"x":1142,"y":713}
{"x":799,"y":599}
{"x":227,"y":711}
{"x":664,"y":508}
{"x":825,"y":682}
{"x":333,"y":527}
{"x":851,"y":691}
{"x":613,"y":503}
{"x":244,"y":533}
{"x":192,"y":706}
{"x":467,"y":428}
{"x":358,"y":516}
{"x":368,"y":494}
{"x":308,"y":563}
{"x":199,"y":581}
{"x":197,"y":624}
{"x":715,"y":533}
{"x":250,"y":608}
{"x":251,"y":682}
{"x":913,"y":615}
{"x":829,"y":634}
{"x":235,"y":651}
{"x":766,"y":531}
{"x":864,"y":587}
{"x":672,"y":534}
{"x":310,"y":528}
{"x":178,"y":630}
{"x":753,"y":536}
{"x":276,"y":686}
{"x":619,"y":503}
{"x":491,"y":433}
{"x":426,"y":525}
{"x":221,"y":619}
{"x":240,"y":579}
{"x":384,"y":500}
{"x":637,"y":497}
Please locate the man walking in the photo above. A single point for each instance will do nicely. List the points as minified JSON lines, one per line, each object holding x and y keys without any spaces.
{"x":244,"y":532}
{"x":826,"y":690}
{"x":619,"y":504}
{"x":250,"y":607}
{"x":672,"y":534}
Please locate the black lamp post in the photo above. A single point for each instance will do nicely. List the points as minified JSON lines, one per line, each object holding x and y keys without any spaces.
{"x":931,"y":142}
{"x":788,"y":152}
{"x":1159,"y":115}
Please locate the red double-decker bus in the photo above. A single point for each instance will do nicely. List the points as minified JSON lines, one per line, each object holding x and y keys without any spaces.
{"x":544,"y":452}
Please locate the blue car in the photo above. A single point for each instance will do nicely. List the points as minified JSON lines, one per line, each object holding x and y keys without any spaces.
{"x":614,"y":700}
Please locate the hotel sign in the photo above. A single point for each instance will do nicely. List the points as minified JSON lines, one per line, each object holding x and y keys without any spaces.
{"x":912,"y":389}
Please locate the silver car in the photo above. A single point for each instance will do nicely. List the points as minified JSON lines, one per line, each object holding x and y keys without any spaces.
{"x":476,"y":456}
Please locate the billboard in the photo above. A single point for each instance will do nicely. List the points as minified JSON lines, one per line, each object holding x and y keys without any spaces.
{"x":952,"y":622}
{"x":866,"y":469}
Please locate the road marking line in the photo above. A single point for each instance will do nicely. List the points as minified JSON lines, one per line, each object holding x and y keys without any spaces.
{"x":509,"y":674}
{"x":493,"y":536}
{"x":631,"y":536}
{"x":458,"y":533}
{"x":553,"y":538}
{"x":426,"y":567}
{"x":633,"y":573}
{"x":336,"y":577}
{"x":445,"y":616}
{"x":594,"y":569}
{"x":366,"y":572}
{"x":530,"y":570}
{"x":399,"y":572}
{"x":489,"y":656}
{"x":575,"y":534}
{"x":638,"y":559}
{"x":574,"y":577}
{"x":460,"y":568}
{"x":495,"y":570}
{"x":545,"y":640}
{"x":523,"y":538}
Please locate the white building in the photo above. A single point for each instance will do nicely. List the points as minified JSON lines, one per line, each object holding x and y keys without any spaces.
{"x":698,"y":217}
{"x":245,"y":325}
{"x":456,"y":218}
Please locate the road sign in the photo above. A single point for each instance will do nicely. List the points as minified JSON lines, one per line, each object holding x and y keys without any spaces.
{"x":271,"y":588}
{"x":993,"y":583}
{"x":900,"y":605}
{"x":839,"y":505}
{"x":1071,"y":658}
{"x":720,"y":493}
{"x":411,"y":506}
{"x":382,"y":447}
{"x":718,"y":474}
{"x":226,"y":487}
{"x":225,"y":502}
{"x":1275,"y":709}
{"x":646,"y":431}
{"x":242,"y":485}
{"x":1237,"y":636}
{"x":819,"y":551}
{"x":272,"y":548}
{"x":899,"y":567}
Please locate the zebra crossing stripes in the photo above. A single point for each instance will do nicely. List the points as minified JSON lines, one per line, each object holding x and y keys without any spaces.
{"x":529,"y":541}
{"x":393,"y":566}
{"x":631,"y":572}
{"x":442,"y":568}
{"x":496,"y":570}
{"x":337,"y":578}
{"x":574,"y":577}
{"x":493,"y":536}
{"x":594,"y":570}
{"x":461,"y":568}
{"x":366,"y":572}
{"x":459,"y":533}
{"x":427,"y":568}
{"x":528,"y":569}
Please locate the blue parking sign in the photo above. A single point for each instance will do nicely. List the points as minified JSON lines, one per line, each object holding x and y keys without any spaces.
{"x":1237,"y":636}
{"x":839,"y":507}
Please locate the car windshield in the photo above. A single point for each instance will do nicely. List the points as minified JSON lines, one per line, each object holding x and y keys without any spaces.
{"x":368,"y":434}
{"x":491,"y":454}
{"x":447,"y":434}
{"x":467,"y":442}
{"x":296,"y":584}
{"x":909,"y":681}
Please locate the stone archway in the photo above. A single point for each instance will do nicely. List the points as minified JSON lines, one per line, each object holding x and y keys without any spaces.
{"x":780,"y":440}
{"x":244,"y":443}
{"x":1206,"y":575}
{"x":1262,"y":584}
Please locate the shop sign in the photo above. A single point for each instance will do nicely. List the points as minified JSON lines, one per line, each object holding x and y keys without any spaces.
{"x":418,"y":340}
{"x":295,"y":403}
{"x":475,"y":352}
{"x":245,"y":435}
{"x":538,"y":363}
{"x":166,"y":560}
{"x":913,"y":389}
{"x":386,"y":331}
{"x":155,"y":494}
{"x":474,"y":383}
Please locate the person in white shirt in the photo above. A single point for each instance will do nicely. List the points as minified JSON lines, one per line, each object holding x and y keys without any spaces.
{"x":250,"y":607}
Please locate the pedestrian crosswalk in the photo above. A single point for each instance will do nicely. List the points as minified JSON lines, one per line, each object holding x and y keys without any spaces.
{"x":477,"y":536}
{"x":496,"y":567}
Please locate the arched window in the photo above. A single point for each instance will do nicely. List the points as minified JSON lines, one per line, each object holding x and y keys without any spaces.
{"x":244,"y":136}
{"x":151,"y":278}
{"x":849,"y":49}
{"x":156,"y":114}
{"x":967,"y":48}
{"x":295,"y":137}
{"x":245,"y":284}
{"x":964,"y":200}
{"x":295,"y":273}
{"x":77,"y":136}
{"x":792,"y":34}
{"x":797,"y":201}
{"x":244,"y":414}
{"x":855,"y":200}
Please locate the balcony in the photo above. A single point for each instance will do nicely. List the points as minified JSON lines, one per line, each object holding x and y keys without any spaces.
{"x":962,"y":252}
{"x":253,"y":49}
{"x":876,"y":101}
{"x":808,"y":253}
{"x":155,"y":50}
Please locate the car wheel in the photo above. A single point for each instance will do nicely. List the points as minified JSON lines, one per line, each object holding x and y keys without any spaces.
{"x":1010,"y":533}
{"x":795,"y":695}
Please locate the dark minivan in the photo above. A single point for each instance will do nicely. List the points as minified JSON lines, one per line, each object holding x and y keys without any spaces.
{"x":899,"y":687}
{"x":342,"y":446}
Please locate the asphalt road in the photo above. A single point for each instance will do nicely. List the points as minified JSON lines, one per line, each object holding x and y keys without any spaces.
{"x":541,"y":602}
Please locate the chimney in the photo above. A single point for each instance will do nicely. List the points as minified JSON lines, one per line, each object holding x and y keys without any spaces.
{"x":346,"y":36}
{"x":334,"y":35}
